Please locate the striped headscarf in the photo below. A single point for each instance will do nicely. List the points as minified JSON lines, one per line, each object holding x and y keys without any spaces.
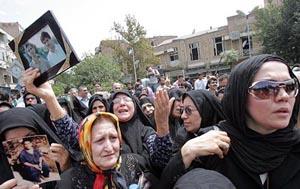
{"x":104,"y":179}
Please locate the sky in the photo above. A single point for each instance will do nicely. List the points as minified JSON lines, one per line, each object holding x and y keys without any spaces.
{"x":87,"y":22}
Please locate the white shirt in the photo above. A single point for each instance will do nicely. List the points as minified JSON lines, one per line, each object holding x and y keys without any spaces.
{"x":57,"y":56}
{"x":199,"y":84}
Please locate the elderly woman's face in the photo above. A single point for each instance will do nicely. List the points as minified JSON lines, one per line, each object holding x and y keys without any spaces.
{"x":123,"y":107}
{"x":270,"y":112}
{"x":105,"y":144}
{"x":190,"y":116}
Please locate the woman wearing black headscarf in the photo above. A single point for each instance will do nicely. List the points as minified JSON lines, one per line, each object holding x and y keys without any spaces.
{"x":260,"y":105}
{"x":139,"y":138}
{"x":22,"y":122}
{"x":200,"y":110}
{"x":30,"y":99}
{"x":97,"y":104}
{"x":148,"y":108}
{"x":175,"y":121}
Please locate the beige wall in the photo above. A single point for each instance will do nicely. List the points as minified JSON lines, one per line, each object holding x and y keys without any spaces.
{"x":207,"y":57}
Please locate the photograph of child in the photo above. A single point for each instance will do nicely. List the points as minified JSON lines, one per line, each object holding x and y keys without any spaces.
{"x":30,"y":161}
{"x":42,"y":50}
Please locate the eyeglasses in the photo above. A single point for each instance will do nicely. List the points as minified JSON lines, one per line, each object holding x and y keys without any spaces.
{"x":266,"y":89}
{"x":188,"y":110}
{"x":118,"y":100}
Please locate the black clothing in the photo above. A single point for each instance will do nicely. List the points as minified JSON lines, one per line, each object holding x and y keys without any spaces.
{"x":68,"y":105}
{"x":250,"y":154}
{"x":203,"y":179}
{"x":150,"y":117}
{"x":95,"y":98}
{"x":38,"y":100}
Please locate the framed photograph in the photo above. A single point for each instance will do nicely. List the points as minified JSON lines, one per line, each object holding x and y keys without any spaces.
{"x":44,"y":45}
{"x":30,"y":160}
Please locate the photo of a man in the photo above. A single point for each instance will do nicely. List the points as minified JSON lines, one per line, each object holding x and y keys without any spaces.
{"x":30,"y":160}
{"x":33,"y":166}
{"x":55,"y":52}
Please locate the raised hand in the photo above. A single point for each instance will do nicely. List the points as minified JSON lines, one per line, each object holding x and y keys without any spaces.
{"x":162,"y":112}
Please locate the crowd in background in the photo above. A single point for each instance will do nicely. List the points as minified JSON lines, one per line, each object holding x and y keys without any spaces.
{"x":236,"y":130}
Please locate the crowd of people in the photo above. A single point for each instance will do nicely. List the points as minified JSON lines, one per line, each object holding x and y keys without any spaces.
{"x":233,"y":131}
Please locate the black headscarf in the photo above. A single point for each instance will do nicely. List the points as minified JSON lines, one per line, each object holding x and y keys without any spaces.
{"x":207,"y":105}
{"x":27,"y":117}
{"x":210,"y":110}
{"x":65,"y":103}
{"x":24,"y":117}
{"x":174,"y":123}
{"x":151,"y":117}
{"x":37,"y":99}
{"x":132,"y":130}
{"x":252,"y":151}
{"x":79,"y":108}
{"x":94,"y":98}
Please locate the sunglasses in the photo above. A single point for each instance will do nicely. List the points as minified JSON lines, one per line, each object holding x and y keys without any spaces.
{"x":266,"y":89}
{"x":188,"y":110}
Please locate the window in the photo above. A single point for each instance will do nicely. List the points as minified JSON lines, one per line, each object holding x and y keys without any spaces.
{"x":218,"y":46}
{"x":194,"y":51}
{"x":245,"y":45}
{"x":174,"y":54}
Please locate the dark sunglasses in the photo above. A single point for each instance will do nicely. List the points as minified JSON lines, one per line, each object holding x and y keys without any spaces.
{"x":266,"y":89}
{"x":188,"y":110}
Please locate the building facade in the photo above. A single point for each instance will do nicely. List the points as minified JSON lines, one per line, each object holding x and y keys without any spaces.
{"x":201,"y":52}
{"x":8,"y":31}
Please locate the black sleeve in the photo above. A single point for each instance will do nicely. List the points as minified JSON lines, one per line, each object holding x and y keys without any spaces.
{"x":172,"y":172}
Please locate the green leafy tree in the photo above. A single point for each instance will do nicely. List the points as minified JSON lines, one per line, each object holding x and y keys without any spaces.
{"x":133,"y":43}
{"x":278,"y":29}
{"x":93,"y":68}
{"x":230,"y":57}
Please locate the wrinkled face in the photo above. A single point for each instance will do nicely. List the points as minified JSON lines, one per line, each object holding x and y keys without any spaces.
{"x":190,"y":116}
{"x":176,"y":113}
{"x":19,"y":132}
{"x":269,"y":115}
{"x":30,"y":99}
{"x":123,"y":107}
{"x":98,"y":106}
{"x":105,"y":144}
{"x":148,"y":109}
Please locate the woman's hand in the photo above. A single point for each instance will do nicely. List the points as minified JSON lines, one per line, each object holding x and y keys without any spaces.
{"x":162,"y":112}
{"x":12,"y":184}
{"x":60,"y":155}
{"x":210,"y":143}
{"x":44,"y":91}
